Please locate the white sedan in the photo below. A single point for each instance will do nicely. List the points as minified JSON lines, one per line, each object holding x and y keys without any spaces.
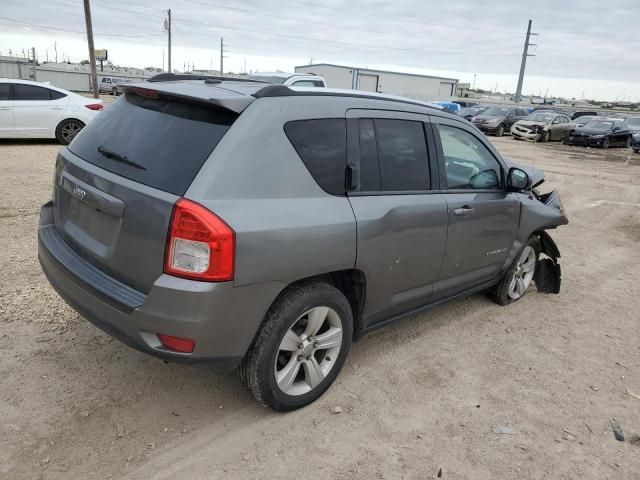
{"x":38,"y":110}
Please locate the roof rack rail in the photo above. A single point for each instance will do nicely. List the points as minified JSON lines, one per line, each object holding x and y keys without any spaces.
{"x":285,"y":91}
{"x":171,"y":77}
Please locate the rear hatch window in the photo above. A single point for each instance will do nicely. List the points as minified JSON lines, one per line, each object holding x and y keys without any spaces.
{"x":159,"y":142}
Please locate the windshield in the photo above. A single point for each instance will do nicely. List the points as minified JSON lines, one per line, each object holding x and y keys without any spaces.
{"x":267,"y":78}
{"x":599,"y":124}
{"x":541,"y":117}
{"x":496,"y":112}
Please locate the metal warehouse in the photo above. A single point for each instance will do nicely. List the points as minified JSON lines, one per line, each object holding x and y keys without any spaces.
{"x":420,"y":87}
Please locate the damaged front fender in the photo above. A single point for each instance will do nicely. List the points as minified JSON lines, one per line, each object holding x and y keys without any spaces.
{"x":540,"y":212}
{"x":548,"y":274}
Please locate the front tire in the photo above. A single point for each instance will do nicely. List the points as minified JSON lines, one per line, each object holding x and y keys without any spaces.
{"x":500,"y":131}
{"x":300,"y":348}
{"x":517,"y":280}
{"x":67,"y":130}
{"x":605,"y":143}
{"x":628,"y":142}
{"x":114,"y":91}
{"x":546,"y":136}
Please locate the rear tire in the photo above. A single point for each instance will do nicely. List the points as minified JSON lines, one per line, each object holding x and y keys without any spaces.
{"x":517,"y":279}
{"x":67,"y":130}
{"x":286,"y":368}
{"x":628,"y":142}
{"x":605,"y":144}
{"x":114,"y":91}
{"x":500,"y":131}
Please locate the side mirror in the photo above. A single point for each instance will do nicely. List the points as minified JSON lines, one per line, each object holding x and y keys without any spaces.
{"x":617,"y":129}
{"x":517,"y":180}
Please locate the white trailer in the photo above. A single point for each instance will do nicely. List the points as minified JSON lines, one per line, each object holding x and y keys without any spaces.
{"x":420,"y":87}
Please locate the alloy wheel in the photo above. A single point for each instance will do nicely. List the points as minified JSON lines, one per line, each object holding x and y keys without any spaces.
{"x":308,"y":351}
{"x":70,"y":130}
{"x":525,"y":268}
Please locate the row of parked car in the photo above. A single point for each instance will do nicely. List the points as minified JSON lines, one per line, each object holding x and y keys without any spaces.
{"x":544,"y":125}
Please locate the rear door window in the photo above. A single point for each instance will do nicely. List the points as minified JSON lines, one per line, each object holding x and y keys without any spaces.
{"x":159,"y":142}
{"x":322,"y":146}
{"x":402,"y":152}
{"x":5,"y":91}
{"x":30,"y":92}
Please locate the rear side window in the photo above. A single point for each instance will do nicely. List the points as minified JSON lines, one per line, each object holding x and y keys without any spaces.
{"x":55,"y":95}
{"x":400,"y":157}
{"x":322,"y":146}
{"x":30,"y":92}
{"x":158,"y":142}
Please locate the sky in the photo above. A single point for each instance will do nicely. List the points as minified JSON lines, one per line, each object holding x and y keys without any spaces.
{"x":585,"y":48}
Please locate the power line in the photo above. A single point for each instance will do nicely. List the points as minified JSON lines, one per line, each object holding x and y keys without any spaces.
{"x":387,"y":18}
{"x":118,"y":9}
{"x":76,"y":31}
{"x":331,"y":25}
{"x":324,"y":40}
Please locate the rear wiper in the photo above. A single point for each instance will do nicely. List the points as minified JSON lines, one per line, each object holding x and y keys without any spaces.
{"x":119,"y":158}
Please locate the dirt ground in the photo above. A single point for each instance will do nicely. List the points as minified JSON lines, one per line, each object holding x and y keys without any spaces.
{"x":468,"y":390}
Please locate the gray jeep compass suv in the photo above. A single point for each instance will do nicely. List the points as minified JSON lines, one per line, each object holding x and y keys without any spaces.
{"x":266,"y":227}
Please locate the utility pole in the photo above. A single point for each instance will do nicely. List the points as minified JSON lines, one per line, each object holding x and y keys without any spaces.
{"x":33,"y":66}
{"x":222,"y":56}
{"x":474,"y":81}
{"x":92,"y":52}
{"x":55,"y":47}
{"x":167,"y":27}
{"x":525,"y":54}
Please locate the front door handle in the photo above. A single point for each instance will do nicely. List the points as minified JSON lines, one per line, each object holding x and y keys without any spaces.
{"x":5,"y":108}
{"x":464,"y":211}
{"x":57,"y":108}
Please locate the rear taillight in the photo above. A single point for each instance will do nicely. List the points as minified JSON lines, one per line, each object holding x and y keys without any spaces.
{"x":95,"y":106}
{"x":200,"y":246}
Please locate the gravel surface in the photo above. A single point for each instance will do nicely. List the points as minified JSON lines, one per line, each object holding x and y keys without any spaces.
{"x":469,"y":389}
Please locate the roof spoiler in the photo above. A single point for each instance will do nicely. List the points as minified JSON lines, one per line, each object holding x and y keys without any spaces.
{"x":233,"y":103}
{"x":174,"y":77}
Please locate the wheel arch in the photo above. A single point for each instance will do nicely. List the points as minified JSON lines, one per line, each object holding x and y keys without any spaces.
{"x":352,"y":284}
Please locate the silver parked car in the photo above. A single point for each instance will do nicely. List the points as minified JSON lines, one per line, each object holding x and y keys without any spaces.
{"x":542,"y":126}
{"x":267,"y":227}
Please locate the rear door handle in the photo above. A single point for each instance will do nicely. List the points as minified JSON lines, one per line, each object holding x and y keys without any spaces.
{"x":57,"y":108}
{"x":463,"y":211}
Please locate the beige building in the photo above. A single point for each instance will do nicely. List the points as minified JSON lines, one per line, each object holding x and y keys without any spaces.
{"x":419,"y":87}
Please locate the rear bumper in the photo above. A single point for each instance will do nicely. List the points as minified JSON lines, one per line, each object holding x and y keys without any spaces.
{"x":220,"y":318}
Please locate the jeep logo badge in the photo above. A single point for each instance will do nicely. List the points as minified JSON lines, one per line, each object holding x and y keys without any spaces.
{"x":79,"y":193}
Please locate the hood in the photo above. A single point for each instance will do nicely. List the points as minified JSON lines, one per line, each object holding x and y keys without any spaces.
{"x":488,"y":117}
{"x":530,"y":123}
{"x":536,"y":175}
